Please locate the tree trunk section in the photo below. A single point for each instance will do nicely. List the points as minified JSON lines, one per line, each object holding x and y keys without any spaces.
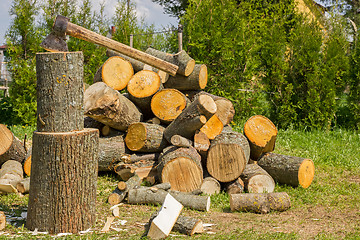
{"x":145,"y":137}
{"x":210,"y":186}
{"x":60,"y":91}
{"x":191,"y":118}
{"x":185,"y":63}
{"x":27,"y":163}
{"x":62,"y":195}
{"x":288,"y":170}
{"x":181,"y":167}
{"x":137,"y":65}
{"x":201,"y":142}
{"x":23,"y":186}
{"x":117,"y":196}
{"x":225,"y":111}
{"x":180,"y":141}
{"x":227,"y":156}
{"x":250,"y":202}
{"x":115,"y":72}
{"x":234,"y":187}
{"x":10,"y":148}
{"x":168,"y":104}
{"x":188,"y":225}
{"x":261,"y":133}
{"x":257,"y":180}
{"x":108,"y":106}
{"x":197,"y":80}
{"x":111,"y":151}
{"x":212,"y":127}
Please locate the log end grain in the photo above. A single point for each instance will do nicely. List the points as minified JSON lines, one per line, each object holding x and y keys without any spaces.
{"x":114,"y":199}
{"x":306,"y":173}
{"x":144,"y":84}
{"x":203,"y":76}
{"x":189,"y":67}
{"x":207,"y":104}
{"x":261,"y":184}
{"x":6,"y":139}
{"x":136,"y":136}
{"x":212,"y":127}
{"x":27,"y":166}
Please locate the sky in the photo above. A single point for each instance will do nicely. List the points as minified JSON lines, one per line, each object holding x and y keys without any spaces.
{"x":152,"y":12}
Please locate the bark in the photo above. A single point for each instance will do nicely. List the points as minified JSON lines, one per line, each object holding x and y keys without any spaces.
{"x":63,"y":181}
{"x":115,"y":72}
{"x":192,"y":118}
{"x":225,"y":111}
{"x":145,"y":137}
{"x":181,"y":167}
{"x":288,"y":170}
{"x":201,"y":143}
{"x":60,"y":91}
{"x":10,"y":148}
{"x":234,"y":187}
{"x":23,"y":186}
{"x":111,"y":151}
{"x":117,"y":196}
{"x":108,"y":106}
{"x":227,"y":156}
{"x":257,"y":180}
{"x":180,"y":141}
{"x":188,"y":225}
{"x":197,"y":80}
{"x":261,"y":133}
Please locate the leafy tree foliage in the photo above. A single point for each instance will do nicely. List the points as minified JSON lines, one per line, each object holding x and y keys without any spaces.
{"x":175,"y":8}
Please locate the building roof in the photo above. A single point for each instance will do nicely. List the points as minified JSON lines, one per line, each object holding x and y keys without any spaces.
{"x":3,"y":47}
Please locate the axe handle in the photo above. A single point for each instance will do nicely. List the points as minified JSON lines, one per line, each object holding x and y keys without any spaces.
{"x":87,"y":35}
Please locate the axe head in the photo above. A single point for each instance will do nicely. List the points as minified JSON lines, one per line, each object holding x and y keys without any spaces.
{"x":56,"y":40}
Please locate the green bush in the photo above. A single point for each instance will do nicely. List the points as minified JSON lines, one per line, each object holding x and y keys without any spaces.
{"x":6,"y":111}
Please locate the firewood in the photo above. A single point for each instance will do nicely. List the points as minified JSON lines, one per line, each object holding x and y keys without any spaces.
{"x":180,"y":141}
{"x":106,"y":131}
{"x":92,"y":123}
{"x":164,"y":186}
{"x":188,"y":225}
{"x":191,"y":118}
{"x":143,"y":168}
{"x":194,"y":94}
{"x":115,"y":72}
{"x":201,"y":142}
{"x":288,"y":170}
{"x":212,"y":127}
{"x":236,"y":186}
{"x":161,"y":224}
{"x":260,"y":202}
{"x":225,"y":110}
{"x":137,"y":65}
{"x":228,"y":154}
{"x":11,"y":147}
{"x":109,"y":221}
{"x":154,"y":120}
{"x":108,"y":106}
{"x":11,"y":167}
{"x":167,"y":104}
{"x":27,"y":163}
{"x":23,"y":186}
{"x":145,"y":195}
{"x":145,"y":137}
{"x":164,"y":76}
{"x":142,"y":87}
{"x":117,"y":196}
{"x":111,"y":150}
{"x":210,"y":186}
{"x":2,"y":221}
{"x":197,"y":80}
{"x":185,"y":63}
{"x":181,"y":167}
{"x":257,"y":180}
{"x":261,"y":133}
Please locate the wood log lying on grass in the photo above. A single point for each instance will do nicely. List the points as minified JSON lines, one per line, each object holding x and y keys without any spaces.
{"x":108,"y":106}
{"x":260,"y":202}
{"x":257,"y":180}
{"x":261,"y":133}
{"x":118,"y":195}
{"x":288,"y":170}
{"x":10,"y":148}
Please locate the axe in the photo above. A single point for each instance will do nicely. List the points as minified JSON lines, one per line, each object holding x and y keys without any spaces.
{"x":56,"y":42}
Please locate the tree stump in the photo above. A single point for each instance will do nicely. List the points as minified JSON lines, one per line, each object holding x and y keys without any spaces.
{"x":60,"y":91}
{"x":257,"y":180}
{"x":197,"y":80}
{"x":261,"y":133}
{"x":62,"y":195}
{"x":289,"y":170}
{"x":115,"y":72}
{"x":108,"y":106}
{"x":10,"y":148}
{"x":181,"y":167}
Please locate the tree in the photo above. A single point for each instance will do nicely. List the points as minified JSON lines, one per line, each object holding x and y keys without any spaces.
{"x":175,"y":8}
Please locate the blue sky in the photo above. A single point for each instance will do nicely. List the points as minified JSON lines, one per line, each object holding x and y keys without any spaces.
{"x":152,"y":12}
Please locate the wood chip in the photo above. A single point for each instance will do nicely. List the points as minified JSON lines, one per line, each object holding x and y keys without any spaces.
{"x":108,"y":223}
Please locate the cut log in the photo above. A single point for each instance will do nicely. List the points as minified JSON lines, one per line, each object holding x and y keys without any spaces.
{"x":288,"y":170}
{"x":143,"y":168}
{"x":6,"y":188}
{"x":260,"y":202}
{"x":62,"y":195}
{"x":210,"y":186}
{"x":146,"y":195}
{"x":194,"y":94}
{"x":92,"y":123}
{"x":111,"y":151}
{"x":167,"y":104}
{"x":164,"y":76}
{"x":181,"y":167}
{"x":11,"y":147}
{"x":106,"y":131}
{"x":60,"y":91}
{"x":137,"y":65}
{"x":180,"y":141}
{"x":192,"y":118}
{"x":154,"y":120}
{"x":201,"y":142}
{"x":228,"y":154}
{"x":117,"y":196}
{"x":164,"y":186}
{"x":261,"y":133}
{"x":185,"y":63}
{"x":142,"y":87}
{"x":23,"y":186}
{"x":2,"y":221}
{"x":197,"y":80}
{"x":212,"y":127}
{"x":257,"y":180}
{"x":188,"y":225}
{"x":225,"y":110}
{"x":115,"y":72}
{"x":234,"y":187}
{"x":27,"y":163}
{"x":108,"y":106}
{"x":145,"y":137}
{"x":163,"y":222}
{"x":11,"y":167}
{"x":109,"y":221}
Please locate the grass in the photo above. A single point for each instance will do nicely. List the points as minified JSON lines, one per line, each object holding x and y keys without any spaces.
{"x":328,"y":209}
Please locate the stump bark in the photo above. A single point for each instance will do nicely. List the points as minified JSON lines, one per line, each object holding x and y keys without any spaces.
{"x":60,"y":91}
{"x":63,"y":181}
{"x":288,"y":170}
{"x":10,"y":148}
{"x":197,"y":80}
{"x":108,"y":106}
{"x":257,"y":180}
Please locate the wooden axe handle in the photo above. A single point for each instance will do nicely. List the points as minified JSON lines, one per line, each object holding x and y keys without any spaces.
{"x":87,"y":35}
